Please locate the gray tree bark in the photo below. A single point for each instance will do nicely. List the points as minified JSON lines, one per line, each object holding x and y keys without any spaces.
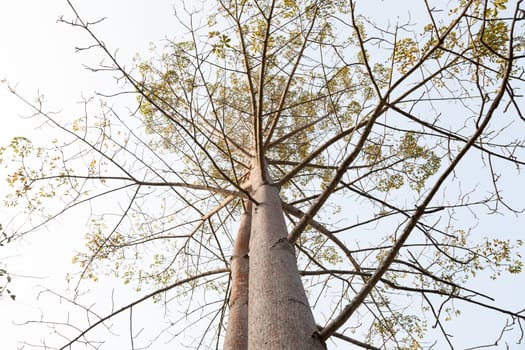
{"x":236,"y":337}
{"x":279,"y":316}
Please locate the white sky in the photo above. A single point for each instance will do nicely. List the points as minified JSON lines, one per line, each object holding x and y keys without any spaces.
{"x":38,"y":55}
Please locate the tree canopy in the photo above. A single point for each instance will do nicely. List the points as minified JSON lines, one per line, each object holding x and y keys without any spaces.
{"x":390,"y":142}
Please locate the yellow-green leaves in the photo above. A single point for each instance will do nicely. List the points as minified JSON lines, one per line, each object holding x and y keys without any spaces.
{"x":321,"y":248}
{"x":492,"y":40}
{"x":426,"y":163}
{"x":502,"y":254}
{"x":5,"y":280}
{"x":220,"y":44}
{"x":407,"y":162}
{"x":500,"y":4}
{"x":409,"y":329}
{"x":390,"y":182}
{"x":406,"y":54}
{"x":21,"y":146}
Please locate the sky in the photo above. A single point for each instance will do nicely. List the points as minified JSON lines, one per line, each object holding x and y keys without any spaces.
{"x":38,"y":57}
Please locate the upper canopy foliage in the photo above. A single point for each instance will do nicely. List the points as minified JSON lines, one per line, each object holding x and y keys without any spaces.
{"x":359,"y":118}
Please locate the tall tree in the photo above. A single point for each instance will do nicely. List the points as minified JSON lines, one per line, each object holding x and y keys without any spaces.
{"x":333,"y":142}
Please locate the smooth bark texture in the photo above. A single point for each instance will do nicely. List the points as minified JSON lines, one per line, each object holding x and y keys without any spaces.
{"x":237,"y":331}
{"x":279,"y":314}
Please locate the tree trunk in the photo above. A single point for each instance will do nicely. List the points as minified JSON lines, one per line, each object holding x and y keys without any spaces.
{"x":279,"y":315}
{"x":237,"y":330}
